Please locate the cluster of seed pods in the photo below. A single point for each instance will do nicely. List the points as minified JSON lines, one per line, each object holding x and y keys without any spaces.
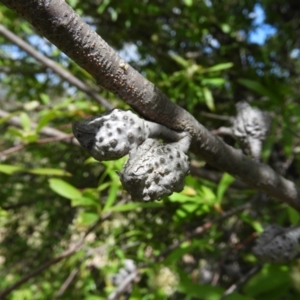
{"x":154,"y":169}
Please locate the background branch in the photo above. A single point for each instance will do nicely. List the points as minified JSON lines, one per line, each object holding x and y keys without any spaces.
{"x":56,"y":68}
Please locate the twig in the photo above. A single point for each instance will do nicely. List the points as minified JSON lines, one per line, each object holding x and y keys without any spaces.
{"x":54,"y":66}
{"x":217,"y":117}
{"x":123,"y":286}
{"x":41,"y":141}
{"x":70,"y":278}
{"x":222,"y":131}
{"x":11,"y":150}
{"x":241,"y":281}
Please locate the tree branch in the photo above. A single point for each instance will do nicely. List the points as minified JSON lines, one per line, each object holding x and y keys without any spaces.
{"x":54,"y":66}
{"x":64,"y":28}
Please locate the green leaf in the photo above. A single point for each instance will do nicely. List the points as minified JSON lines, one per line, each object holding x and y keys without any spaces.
{"x":133,"y":206}
{"x":294,"y":215}
{"x":84,"y":201}
{"x":270,"y":278}
{"x":112,"y":195}
{"x":224,"y":183}
{"x":103,"y":6}
{"x":220,"y":67}
{"x":209,"y":100}
{"x":180,"y":197}
{"x":25,"y":121}
{"x":188,"y":2}
{"x":207,"y":195}
{"x":46,"y":118}
{"x":15,"y":132}
{"x":213,"y":81}
{"x":49,"y":171}
{"x":9,"y":169}
{"x":87,"y":218}
{"x":225,"y":28}
{"x":45,"y":98}
{"x":64,"y":189}
{"x":257,"y":87}
{"x":181,"y":61}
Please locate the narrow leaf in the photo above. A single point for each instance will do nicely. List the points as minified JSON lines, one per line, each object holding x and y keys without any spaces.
{"x":84,"y":201}
{"x":133,"y":206}
{"x":49,"y":171}
{"x":257,"y":87}
{"x":25,"y":121}
{"x":64,"y":189}
{"x":87,"y":218}
{"x":220,"y":67}
{"x":209,"y":100}
{"x":223,"y":186}
{"x":9,"y":169}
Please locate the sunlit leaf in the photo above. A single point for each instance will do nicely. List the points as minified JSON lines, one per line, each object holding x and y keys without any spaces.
{"x":225,"y":28}
{"x":220,"y":67}
{"x":45,"y":98}
{"x":181,"y":61}
{"x":9,"y":169}
{"x":25,"y":121}
{"x":213,"y":81}
{"x":64,"y":188}
{"x":223,"y":186}
{"x":87,"y":218}
{"x":188,"y":2}
{"x":209,"y":100}
{"x":16,"y":132}
{"x":46,"y":118}
{"x":112,"y":195}
{"x":49,"y":171}
{"x":84,"y":201}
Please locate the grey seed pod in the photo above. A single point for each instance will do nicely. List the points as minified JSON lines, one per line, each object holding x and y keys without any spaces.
{"x":250,"y":127}
{"x":112,"y":135}
{"x":129,"y":265}
{"x":156,"y":169}
{"x":123,"y":272}
{"x":117,"y":279}
{"x":277,"y":244}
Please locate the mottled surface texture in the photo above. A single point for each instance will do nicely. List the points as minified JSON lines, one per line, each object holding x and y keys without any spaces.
{"x":251,"y":127}
{"x":156,"y":170}
{"x":277,"y":244}
{"x":111,"y":136}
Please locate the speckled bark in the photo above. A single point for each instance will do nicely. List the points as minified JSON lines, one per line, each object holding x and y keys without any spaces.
{"x":59,"y":24}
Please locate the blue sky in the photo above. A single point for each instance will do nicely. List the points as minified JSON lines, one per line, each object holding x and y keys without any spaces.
{"x":263,"y":30}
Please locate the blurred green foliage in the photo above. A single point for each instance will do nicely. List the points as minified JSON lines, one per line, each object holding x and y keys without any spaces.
{"x":200,"y":53}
